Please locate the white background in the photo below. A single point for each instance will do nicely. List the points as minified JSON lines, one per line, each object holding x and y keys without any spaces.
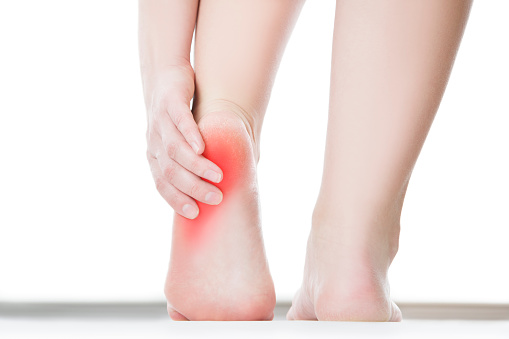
{"x":80,"y":219}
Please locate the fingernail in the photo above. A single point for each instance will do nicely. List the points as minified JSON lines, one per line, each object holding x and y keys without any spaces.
{"x":213,"y":198}
{"x":195,"y":147}
{"x":212,"y":176}
{"x":190,"y":211}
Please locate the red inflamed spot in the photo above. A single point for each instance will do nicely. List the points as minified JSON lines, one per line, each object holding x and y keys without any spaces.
{"x":230,"y":149}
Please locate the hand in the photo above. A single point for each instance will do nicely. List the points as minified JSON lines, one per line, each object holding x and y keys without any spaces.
{"x":175,"y":145}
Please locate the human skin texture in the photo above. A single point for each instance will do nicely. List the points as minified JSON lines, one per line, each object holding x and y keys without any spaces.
{"x":218,"y":269}
{"x":174,"y":143}
{"x":228,"y":146}
{"x":390,"y":66}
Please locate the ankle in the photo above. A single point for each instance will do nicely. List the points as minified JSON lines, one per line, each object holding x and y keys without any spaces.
{"x":231,"y":110}
{"x":371,"y":243}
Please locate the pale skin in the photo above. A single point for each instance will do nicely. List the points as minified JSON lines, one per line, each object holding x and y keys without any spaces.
{"x":390,"y":66}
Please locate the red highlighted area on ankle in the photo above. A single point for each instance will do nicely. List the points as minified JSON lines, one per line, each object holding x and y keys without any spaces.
{"x":230,"y":149}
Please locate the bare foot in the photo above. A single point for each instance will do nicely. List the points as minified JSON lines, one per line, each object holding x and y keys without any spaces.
{"x":218,"y":269}
{"x":345,"y":278}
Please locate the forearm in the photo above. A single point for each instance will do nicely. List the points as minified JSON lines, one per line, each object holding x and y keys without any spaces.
{"x":165,"y":34}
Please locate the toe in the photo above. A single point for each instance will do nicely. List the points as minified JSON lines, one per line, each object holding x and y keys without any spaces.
{"x":174,"y":315}
{"x":289,"y":315}
{"x":396,"y":313}
{"x":302,"y":308}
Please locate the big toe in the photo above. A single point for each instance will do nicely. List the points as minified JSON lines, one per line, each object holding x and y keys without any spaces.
{"x":396,"y":313}
{"x":174,"y":315}
{"x":290,"y":315}
{"x":301,"y":309}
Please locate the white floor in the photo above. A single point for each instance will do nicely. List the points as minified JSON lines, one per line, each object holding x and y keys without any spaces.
{"x":151,"y":321}
{"x":163,"y":328}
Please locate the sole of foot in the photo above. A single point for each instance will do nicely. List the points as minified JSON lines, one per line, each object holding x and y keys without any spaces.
{"x":218,"y":268}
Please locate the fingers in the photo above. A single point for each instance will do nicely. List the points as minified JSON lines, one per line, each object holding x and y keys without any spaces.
{"x":181,"y":203}
{"x":177,"y":169}
{"x":182,"y":117}
{"x":178,"y":186}
{"x":187,"y":182}
{"x":178,"y":150}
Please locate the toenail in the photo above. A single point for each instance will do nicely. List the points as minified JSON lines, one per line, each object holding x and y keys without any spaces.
{"x":212,"y":176}
{"x":213,"y":198}
{"x":190,"y":211}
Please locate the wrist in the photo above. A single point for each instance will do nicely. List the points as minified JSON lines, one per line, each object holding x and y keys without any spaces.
{"x":151,"y":70}
{"x":172,"y":79}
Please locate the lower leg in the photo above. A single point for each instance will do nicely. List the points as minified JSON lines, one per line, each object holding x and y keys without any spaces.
{"x":391,"y":63}
{"x":218,"y":269}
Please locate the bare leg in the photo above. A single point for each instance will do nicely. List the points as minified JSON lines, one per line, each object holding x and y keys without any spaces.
{"x":391,"y":63}
{"x":218,"y":269}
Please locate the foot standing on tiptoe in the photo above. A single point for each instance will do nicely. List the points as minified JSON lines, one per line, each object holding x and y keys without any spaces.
{"x":390,"y":65}
{"x":397,"y":54}
{"x":218,"y":269}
